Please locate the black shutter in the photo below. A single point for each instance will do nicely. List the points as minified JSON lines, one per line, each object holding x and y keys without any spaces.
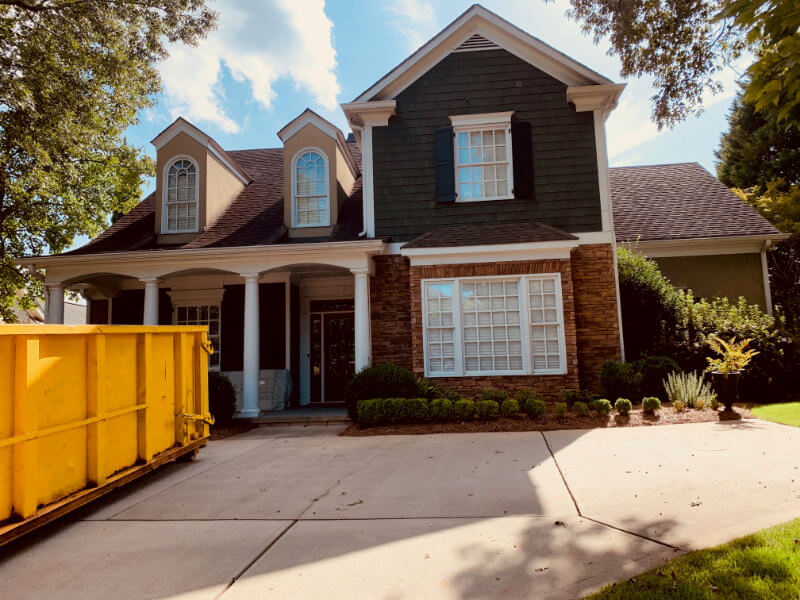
{"x":522,"y":149}
{"x":445,"y":169}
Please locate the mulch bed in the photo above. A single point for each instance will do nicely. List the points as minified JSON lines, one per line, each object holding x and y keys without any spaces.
{"x":666,"y":416}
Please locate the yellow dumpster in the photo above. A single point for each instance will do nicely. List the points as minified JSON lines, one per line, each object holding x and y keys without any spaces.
{"x":86,"y":409}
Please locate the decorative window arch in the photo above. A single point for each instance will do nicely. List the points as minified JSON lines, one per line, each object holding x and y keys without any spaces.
{"x":310,"y":190}
{"x":180,"y":207}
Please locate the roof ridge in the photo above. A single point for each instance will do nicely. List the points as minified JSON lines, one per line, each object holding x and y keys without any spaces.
{"x":675,"y":164}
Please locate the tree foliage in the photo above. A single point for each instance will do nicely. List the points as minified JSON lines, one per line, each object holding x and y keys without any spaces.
{"x":73,"y":76}
{"x":684,"y":44}
{"x":756,"y":150}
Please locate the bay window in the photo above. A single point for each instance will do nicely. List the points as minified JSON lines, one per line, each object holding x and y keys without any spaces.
{"x":493,"y":326}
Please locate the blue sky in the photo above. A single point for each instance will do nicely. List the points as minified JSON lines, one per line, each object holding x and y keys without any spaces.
{"x":270,"y":59}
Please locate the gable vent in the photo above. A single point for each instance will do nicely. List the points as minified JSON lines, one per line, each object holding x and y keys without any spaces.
{"x":476,"y":42}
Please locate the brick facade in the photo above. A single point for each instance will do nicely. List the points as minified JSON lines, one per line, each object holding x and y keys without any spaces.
{"x":588,"y":292}
{"x":549,"y":385}
{"x":390,"y":308}
{"x":595,"y":310}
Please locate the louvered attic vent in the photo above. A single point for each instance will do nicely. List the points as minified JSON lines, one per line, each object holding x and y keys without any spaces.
{"x":476,"y":42}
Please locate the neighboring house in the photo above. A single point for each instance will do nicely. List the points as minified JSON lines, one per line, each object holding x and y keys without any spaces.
{"x":74,"y":313}
{"x":701,"y":234}
{"x":465,"y":231}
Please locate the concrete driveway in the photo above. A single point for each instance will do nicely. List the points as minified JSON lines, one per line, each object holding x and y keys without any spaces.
{"x":303,"y":513}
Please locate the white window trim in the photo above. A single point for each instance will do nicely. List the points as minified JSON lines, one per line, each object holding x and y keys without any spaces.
{"x":327,"y":187}
{"x":525,"y":326}
{"x":187,"y":298}
{"x":481,"y":122}
{"x":165,"y":192}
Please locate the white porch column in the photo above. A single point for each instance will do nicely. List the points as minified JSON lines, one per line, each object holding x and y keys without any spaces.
{"x":55,"y":306}
{"x":150,"y":301}
{"x":362,"y":319}
{"x":251,"y":347}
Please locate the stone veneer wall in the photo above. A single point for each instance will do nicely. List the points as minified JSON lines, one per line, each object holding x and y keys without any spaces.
{"x":549,"y":385}
{"x":595,"y":310}
{"x":390,"y":308}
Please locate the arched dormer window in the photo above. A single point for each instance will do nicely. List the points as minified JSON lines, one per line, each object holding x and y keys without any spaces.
{"x":310,"y":189}
{"x":181,"y":196}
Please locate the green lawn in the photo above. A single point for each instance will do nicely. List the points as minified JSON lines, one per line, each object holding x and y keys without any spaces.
{"x":788,"y":413}
{"x":765,"y":565}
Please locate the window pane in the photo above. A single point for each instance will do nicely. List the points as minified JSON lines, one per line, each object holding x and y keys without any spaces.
{"x":546,"y":343}
{"x":488,"y":308}
{"x":440,"y":351}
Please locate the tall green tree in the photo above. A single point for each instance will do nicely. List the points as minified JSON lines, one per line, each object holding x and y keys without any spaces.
{"x":760,"y":159}
{"x":685,"y":44}
{"x":757,"y":150}
{"x":73,"y":76}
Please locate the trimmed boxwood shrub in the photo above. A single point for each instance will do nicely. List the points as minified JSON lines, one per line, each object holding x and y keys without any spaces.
{"x":560,"y":410}
{"x":451,"y":395}
{"x":651,"y":405}
{"x":525,"y":394}
{"x":509,"y":408}
{"x":623,"y":406}
{"x":464,"y":409}
{"x":415,"y":410}
{"x":370,"y":412}
{"x":535,"y":408}
{"x":494,"y":394}
{"x":383,"y":380}
{"x":602,"y":406}
{"x":581,"y":408}
{"x":487,"y":409}
{"x":221,"y":398}
{"x":441,"y":409}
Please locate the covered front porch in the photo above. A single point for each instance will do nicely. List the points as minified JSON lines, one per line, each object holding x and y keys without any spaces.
{"x":290,"y":324}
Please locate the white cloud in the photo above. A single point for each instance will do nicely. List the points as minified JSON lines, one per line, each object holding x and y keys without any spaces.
{"x":414,"y":20}
{"x":260,"y":42}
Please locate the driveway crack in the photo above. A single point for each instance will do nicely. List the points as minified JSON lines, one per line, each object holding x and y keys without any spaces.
{"x":560,"y":472}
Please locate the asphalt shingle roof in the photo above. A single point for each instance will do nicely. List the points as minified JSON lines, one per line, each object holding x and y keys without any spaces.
{"x":474,"y":234}
{"x":660,"y":202}
{"x":678,"y":201}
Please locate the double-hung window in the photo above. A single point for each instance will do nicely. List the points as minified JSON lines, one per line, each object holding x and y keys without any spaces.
{"x":208,"y":315}
{"x":310,"y":189}
{"x":494,"y":326}
{"x":180,"y":197}
{"x":483,"y":161}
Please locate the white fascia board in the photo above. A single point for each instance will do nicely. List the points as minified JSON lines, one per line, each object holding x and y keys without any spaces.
{"x":455,"y":255}
{"x":704,"y":246}
{"x":196,"y":297}
{"x":243,"y":259}
{"x":501,"y":118}
{"x":479,"y":20}
{"x":182,"y":126}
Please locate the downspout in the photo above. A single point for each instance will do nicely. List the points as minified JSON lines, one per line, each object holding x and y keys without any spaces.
{"x":765,"y":275}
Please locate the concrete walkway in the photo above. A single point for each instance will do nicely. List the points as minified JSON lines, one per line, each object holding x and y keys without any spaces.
{"x":303,"y":513}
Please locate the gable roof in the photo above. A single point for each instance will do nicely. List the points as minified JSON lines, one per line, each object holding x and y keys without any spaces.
{"x":679,"y":201}
{"x":181,"y":125}
{"x":477,"y":20}
{"x":309,"y":117}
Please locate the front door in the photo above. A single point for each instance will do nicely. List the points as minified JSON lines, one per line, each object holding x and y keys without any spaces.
{"x":332,"y":348}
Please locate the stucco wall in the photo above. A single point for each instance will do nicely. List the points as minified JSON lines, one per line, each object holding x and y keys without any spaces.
{"x":730,"y":275}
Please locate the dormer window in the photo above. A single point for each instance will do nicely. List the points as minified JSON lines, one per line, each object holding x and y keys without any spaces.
{"x":180,"y":197}
{"x":310,"y":189}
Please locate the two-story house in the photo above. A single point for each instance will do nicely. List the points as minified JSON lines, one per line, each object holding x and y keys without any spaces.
{"x":464,"y":230}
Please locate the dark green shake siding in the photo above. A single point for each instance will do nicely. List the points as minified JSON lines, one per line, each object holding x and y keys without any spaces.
{"x":565,"y":186}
